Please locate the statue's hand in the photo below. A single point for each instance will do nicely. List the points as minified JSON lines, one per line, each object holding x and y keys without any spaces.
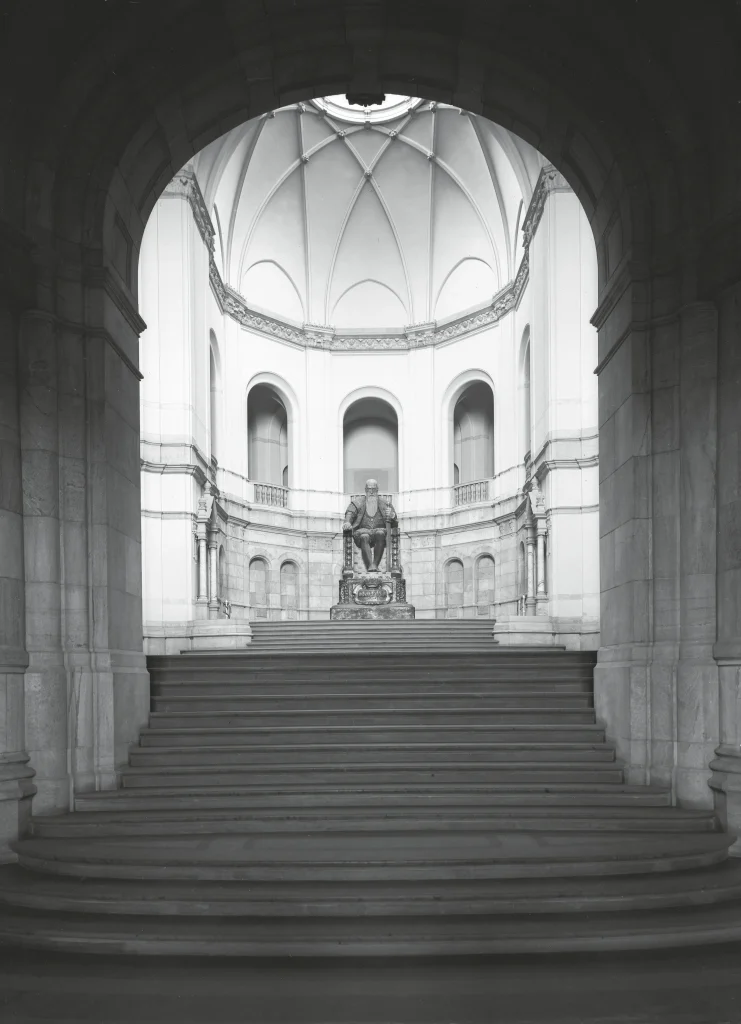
{"x":347,"y":527}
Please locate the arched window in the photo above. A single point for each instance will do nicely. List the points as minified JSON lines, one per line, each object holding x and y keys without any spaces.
{"x":289,"y":590}
{"x":371,"y":446}
{"x":258,"y":588}
{"x":473,"y":434}
{"x":454,"y":587}
{"x":214,"y":394}
{"x":484,"y":584}
{"x":267,"y":428}
{"x":525,"y":399}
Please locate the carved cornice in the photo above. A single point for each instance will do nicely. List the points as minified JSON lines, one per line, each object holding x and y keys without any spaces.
{"x":549,"y":180}
{"x":324,"y":337}
{"x":186,"y":184}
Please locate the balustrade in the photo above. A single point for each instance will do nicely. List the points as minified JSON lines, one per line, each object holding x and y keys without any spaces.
{"x":271,"y":494}
{"x":470,"y":493}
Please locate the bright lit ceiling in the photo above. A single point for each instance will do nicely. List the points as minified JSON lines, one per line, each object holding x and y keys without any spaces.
{"x":368,"y":218}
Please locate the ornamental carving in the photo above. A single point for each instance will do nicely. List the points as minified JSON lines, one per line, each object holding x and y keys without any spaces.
{"x":549,"y":180}
{"x":372,"y":592}
{"x":415,"y":336}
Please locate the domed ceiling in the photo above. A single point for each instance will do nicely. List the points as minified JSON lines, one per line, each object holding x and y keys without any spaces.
{"x":402,"y":214}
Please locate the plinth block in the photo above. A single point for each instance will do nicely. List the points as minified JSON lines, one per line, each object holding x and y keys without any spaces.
{"x":372,"y":595}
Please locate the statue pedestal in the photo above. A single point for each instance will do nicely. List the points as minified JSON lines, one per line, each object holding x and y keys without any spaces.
{"x":371,"y":596}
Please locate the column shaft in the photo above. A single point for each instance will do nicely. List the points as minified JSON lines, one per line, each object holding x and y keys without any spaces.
{"x":202,"y":569}
{"x":530,"y":602}
{"x":16,"y":787}
{"x":213,"y":565}
{"x":46,"y":676}
{"x":541,"y":563}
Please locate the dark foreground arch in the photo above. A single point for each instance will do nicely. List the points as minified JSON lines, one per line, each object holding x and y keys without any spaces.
{"x":108,"y":101}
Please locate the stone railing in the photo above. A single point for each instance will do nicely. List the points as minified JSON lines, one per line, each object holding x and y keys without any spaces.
{"x":271,"y":494}
{"x":470,"y":493}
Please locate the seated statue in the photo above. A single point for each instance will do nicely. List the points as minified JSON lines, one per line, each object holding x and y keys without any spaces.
{"x":367,"y":519}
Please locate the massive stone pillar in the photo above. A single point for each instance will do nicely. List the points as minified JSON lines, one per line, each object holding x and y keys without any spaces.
{"x":86,"y":686}
{"x":656,"y":682}
{"x":697,"y":710}
{"x":16,"y":786}
{"x":726,"y":781}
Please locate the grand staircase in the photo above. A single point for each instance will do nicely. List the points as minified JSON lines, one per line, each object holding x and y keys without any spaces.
{"x":405,"y":788}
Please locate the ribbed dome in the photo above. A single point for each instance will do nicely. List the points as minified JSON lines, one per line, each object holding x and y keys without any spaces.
{"x":407,"y":214}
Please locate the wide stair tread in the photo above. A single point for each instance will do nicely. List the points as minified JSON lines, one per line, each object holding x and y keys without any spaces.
{"x":336,"y":789}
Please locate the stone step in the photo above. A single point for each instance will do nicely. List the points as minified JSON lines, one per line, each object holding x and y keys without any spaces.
{"x":286,"y":685}
{"x":416,"y":707}
{"x":358,"y":753}
{"x":550,"y":797}
{"x":531,"y":718}
{"x":442,"y":663}
{"x":368,"y":662}
{"x":401,"y":815}
{"x":397,"y":774}
{"x":445,"y":934}
{"x":207,"y":730}
{"x":400,"y":625}
{"x":394,"y":855}
{"x":542,"y":896}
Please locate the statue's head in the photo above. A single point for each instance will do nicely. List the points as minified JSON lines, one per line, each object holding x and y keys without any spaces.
{"x":371,"y":487}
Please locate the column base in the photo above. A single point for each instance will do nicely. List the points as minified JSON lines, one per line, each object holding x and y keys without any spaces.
{"x":725,"y":783}
{"x":16,"y":792}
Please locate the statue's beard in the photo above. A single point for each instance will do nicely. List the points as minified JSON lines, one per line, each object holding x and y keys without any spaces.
{"x":371,"y":504}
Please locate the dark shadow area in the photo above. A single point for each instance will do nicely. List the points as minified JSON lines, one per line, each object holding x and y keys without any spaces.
{"x":689,"y":986}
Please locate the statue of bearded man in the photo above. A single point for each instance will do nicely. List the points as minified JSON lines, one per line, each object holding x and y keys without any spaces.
{"x":367,"y":519}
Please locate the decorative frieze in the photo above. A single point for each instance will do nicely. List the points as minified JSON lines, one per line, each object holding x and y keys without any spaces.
{"x":549,"y":180}
{"x":324,"y":337}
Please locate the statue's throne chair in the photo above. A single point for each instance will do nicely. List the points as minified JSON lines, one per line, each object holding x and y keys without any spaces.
{"x":367,"y":594}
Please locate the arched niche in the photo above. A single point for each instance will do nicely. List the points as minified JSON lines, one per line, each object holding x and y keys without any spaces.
{"x":453,"y":393}
{"x":485,"y":584}
{"x":259,"y":576}
{"x":473,"y":433}
{"x":454,"y":583}
{"x":370,"y":445}
{"x":289,"y":590}
{"x":267,"y":437}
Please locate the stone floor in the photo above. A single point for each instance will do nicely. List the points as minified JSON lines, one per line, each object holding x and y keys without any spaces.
{"x":696,"y":986}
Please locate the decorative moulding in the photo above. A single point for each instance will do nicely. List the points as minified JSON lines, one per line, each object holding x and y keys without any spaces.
{"x":319,"y":336}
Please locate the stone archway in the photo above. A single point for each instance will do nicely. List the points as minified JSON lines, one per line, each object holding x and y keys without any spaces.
{"x":109,"y":134}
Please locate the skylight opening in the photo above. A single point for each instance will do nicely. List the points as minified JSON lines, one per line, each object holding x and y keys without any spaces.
{"x":391,"y":108}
